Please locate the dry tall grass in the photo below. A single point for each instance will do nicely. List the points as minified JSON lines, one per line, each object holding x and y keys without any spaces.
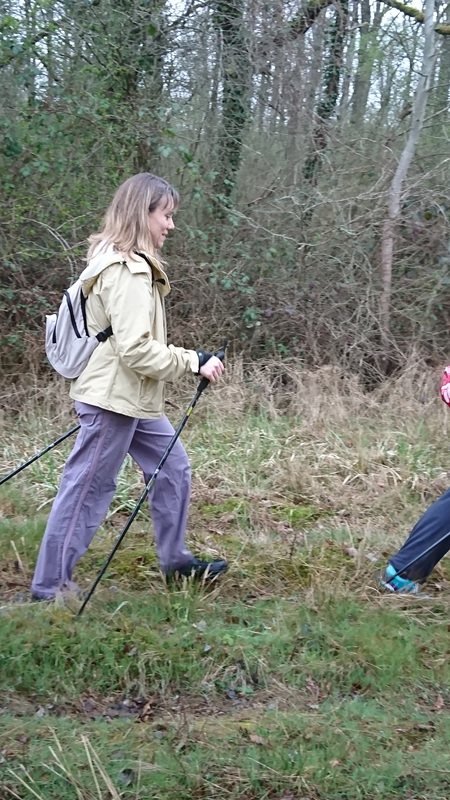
{"x":281,"y":436}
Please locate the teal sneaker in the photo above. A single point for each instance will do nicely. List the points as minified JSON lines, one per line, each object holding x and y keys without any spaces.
{"x":398,"y":584}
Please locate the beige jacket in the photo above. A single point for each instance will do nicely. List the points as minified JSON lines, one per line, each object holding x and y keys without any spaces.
{"x":127,"y":372}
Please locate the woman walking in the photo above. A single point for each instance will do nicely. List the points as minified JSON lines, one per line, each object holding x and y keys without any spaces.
{"x":119,"y":396}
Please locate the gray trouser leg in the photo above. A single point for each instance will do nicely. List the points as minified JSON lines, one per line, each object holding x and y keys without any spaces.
{"x":88,"y":484}
{"x":169,"y":497}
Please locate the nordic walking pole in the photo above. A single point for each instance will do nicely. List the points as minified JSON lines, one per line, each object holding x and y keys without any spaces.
{"x":204,"y":383}
{"x":38,"y":455}
{"x":417,"y":558}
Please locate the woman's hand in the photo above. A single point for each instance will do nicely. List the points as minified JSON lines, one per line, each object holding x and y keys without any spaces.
{"x":212,"y":369}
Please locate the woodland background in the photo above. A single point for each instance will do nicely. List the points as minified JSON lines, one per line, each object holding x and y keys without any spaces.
{"x":309,"y":142}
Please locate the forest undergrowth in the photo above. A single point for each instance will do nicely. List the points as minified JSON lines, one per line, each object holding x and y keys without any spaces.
{"x":294,"y":678}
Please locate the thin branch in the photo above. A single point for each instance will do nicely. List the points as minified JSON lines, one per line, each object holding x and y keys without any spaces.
{"x":302,"y":21}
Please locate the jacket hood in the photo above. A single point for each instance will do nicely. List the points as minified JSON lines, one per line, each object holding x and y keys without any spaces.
{"x":107,"y":256}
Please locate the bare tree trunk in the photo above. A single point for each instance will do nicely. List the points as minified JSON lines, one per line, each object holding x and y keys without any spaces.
{"x":443,"y":80}
{"x":386,"y":73}
{"x":235,"y":96}
{"x":395,"y":192}
{"x":213,"y":102}
{"x":348,"y":65}
{"x":263,"y":101}
{"x":331,"y":79}
{"x":366,"y":59}
{"x":364,"y":68}
{"x":30,"y":82}
{"x":296,"y":92}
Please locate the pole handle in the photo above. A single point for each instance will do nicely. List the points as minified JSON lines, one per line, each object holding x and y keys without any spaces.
{"x":221,"y":353}
{"x":204,"y":383}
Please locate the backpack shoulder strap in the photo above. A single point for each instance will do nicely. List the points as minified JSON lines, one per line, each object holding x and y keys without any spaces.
{"x":102,"y":336}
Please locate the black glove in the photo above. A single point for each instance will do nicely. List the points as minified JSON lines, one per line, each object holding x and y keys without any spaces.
{"x":203,"y":357}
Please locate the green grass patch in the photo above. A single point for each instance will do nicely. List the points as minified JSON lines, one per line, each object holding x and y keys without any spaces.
{"x":237,"y":506}
{"x":142,"y":644}
{"x":296,"y":515}
{"x":345,"y":750}
{"x":295,"y":677}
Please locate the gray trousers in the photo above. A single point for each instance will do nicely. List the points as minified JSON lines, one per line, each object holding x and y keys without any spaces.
{"x":88,"y":484}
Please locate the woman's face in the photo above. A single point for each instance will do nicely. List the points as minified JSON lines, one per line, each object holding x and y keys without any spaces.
{"x":160,"y":222}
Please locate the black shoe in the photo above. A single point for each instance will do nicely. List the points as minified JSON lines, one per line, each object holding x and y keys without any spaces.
{"x":25,"y":598}
{"x":199,"y":570}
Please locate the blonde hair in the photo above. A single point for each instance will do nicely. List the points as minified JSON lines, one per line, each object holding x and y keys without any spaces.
{"x":125,"y":223}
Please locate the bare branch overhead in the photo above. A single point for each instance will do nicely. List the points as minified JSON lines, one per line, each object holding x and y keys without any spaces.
{"x":305,"y":18}
{"x":419,"y":16}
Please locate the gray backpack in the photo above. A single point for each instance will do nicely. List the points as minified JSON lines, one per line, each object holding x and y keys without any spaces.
{"x":68,"y":345}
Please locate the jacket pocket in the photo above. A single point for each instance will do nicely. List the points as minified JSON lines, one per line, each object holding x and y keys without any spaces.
{"x":151,"y":395}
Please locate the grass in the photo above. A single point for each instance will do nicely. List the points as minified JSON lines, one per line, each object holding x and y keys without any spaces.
{"x":296,"y":677}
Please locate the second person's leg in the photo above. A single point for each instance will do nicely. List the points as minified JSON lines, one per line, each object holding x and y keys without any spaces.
{"x":431,"y":527}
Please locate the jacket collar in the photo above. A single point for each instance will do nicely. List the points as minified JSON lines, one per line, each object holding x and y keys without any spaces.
{"x":141,"y":262}
{"x":159,"y":275}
